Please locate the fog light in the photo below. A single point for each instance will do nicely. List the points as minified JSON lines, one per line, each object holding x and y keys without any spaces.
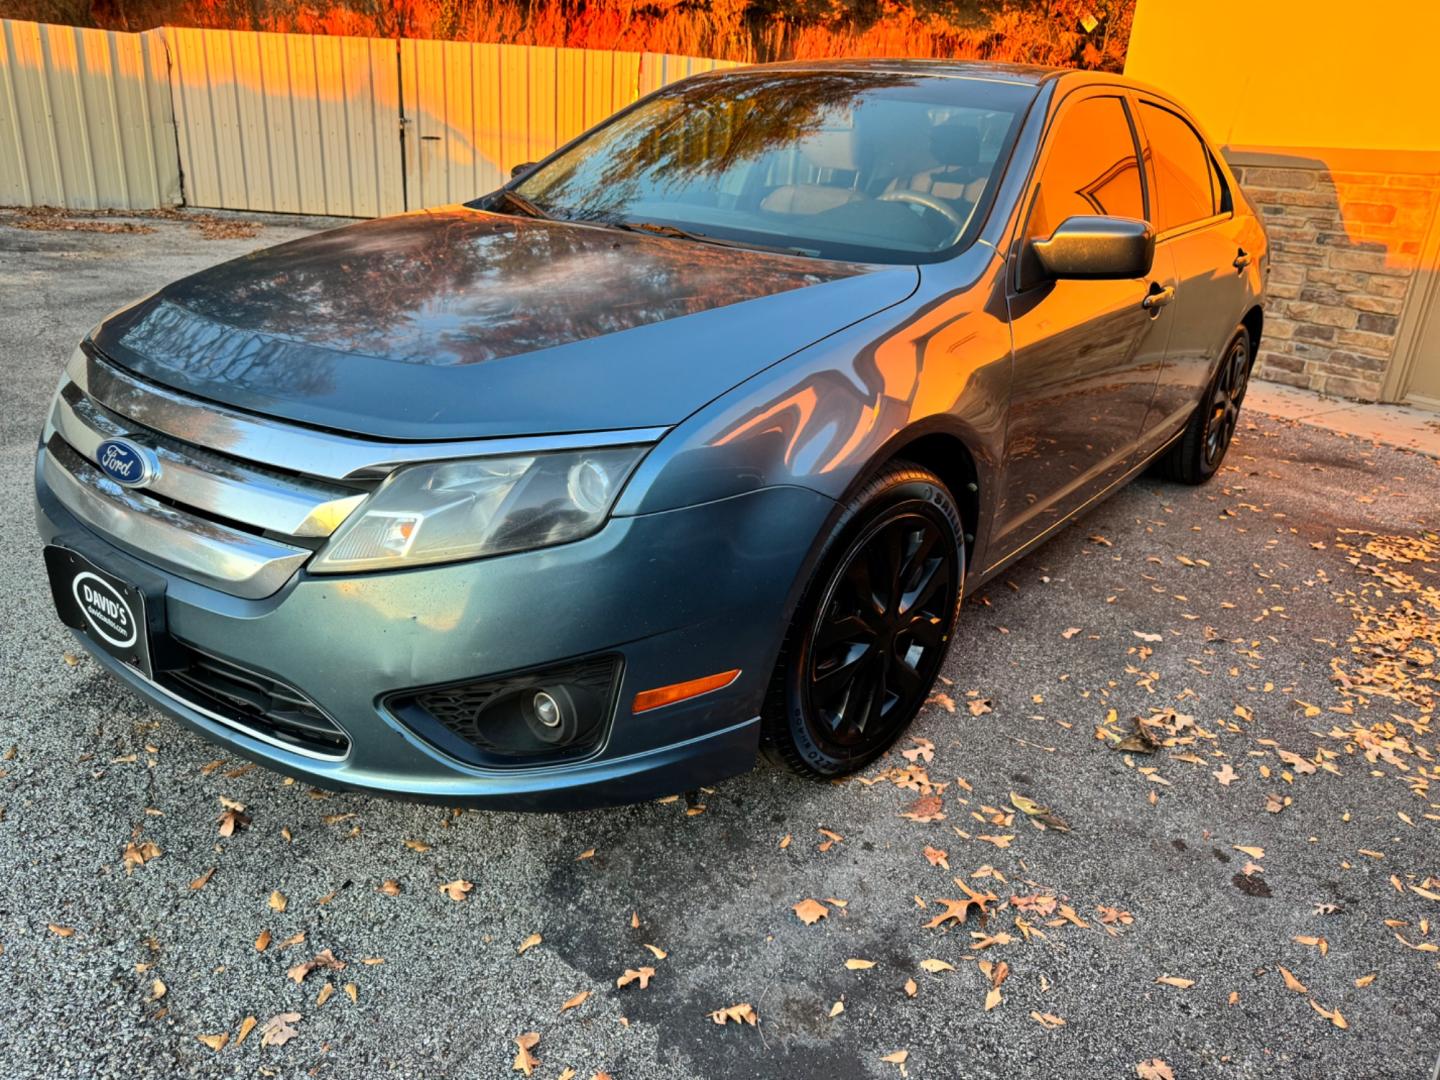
{"x":547,"y":710}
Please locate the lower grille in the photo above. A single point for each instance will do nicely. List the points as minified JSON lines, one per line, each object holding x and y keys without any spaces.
{"x":253,"y":701}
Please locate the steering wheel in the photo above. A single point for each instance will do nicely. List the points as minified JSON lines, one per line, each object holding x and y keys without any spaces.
{"x":929,"y":202}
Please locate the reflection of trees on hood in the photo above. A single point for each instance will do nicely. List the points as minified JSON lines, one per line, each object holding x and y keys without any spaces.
{"x":702,"y":128}
{"x":456,"y":287}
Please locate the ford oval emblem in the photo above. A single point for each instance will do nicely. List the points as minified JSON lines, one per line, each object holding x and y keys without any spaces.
{"x":126,"y":463}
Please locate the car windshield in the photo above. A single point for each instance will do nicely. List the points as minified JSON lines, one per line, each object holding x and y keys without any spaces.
{"x":867,"y":166}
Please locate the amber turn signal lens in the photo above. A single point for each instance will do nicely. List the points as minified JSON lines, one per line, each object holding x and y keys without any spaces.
{"x":680,"y":691}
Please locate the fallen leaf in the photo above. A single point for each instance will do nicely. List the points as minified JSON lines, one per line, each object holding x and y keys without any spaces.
{"x":936,"y":966}
{"x":1292,"y":982}
{"x":1313,"y":942}
{"x":992,"y":998}
{"x":277,"y":901}
{"x":529,"y":943}
{"x":215,"y":1042}
{"x":1253,"y":852}
{"x":1365,"y":980}
{"x":925,"y":809}
{"x":325,"y":993}
{"x":837,"y":1008}
{"x":936,"y":857}
{"x":576,"y":1001}
{"x":233,"y":820}
{"x":897,"y":1058}
{"x":1152,"y":638}
{"x":1176,"y":981}
{"x":1069,"y":632}
{"x":203,"y":880}
{"x":263,"y":941}
{"x":279,"y":1029}
{"x":457,"y":890}
{"x":1226,"y":775}
{"x":246,"y":1026}
{"x":1154,"y":1069}
{"x":1047,"y":1020}
{"x":157,"y":990}
{"x":353,"y":993}
{"x":859,"y":965}
{"x":417,"y":845}
{"x":139,"y":854}
{"x":740,"y":1014}
{"x":60,"y":931}
{"x":390,"y":887}
{"x":810,"y":911}
{"x":588,"y":853}
{"x":910,"y":988}
{"x":1333,"y":1015}
{"x":643,"y":975}
{"x":525,"y":1061}
{"x":657,"y":952}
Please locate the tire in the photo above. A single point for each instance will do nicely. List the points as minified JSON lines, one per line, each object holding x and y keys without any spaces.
{"x":852,"y":674}
{"x":1197,"y":455}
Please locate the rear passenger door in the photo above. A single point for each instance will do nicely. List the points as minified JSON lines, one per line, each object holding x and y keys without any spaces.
{"x":1192,"y":211}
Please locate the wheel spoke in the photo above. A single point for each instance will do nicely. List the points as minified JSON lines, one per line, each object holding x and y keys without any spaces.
{"x":925,"y":631}
{"x":828,"y":683}
{"x":846,"y":628}
{"x":932,"y":577}
{"x":907,"y":680}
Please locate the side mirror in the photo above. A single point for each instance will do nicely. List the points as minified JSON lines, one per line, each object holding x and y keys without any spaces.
{"x":1096,"y":248}
{"x":521,"y":169}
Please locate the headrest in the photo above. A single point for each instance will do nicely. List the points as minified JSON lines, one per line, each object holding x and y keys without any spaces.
{"x":955,"y":143}
{"x":832,"y":149}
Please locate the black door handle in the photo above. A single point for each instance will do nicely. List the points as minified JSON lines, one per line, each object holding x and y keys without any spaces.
{"x":1242,"y":260}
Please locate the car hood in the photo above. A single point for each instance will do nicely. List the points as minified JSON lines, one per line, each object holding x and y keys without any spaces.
{"x":456,"y":323}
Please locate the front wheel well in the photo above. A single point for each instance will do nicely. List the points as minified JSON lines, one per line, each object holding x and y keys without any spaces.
{"x":950,"y":459}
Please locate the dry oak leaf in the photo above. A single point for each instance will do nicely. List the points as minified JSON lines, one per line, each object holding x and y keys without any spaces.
{"x":457,"y":890}
{"x":525,"y":1061}
{"x":978,"y":706}
{"x":936,"y":966}
{"x":1292,"y":982}
{"x":279,"y":1029}
{"x":246,"y":1026}
{"x":529,"y":943}
{"x":233,"y":820}
{"x":1043,"y":814}
{"x":1253,"y":852}
{"x":1333,"y":1015}
{"x":897,"y":1058}
{"x":740,"y":1014}
{"x":1047,"y":1020}
{"x":215,"y":1042}
{"x":992,"y":998}
{"x":959,"y":910}
{"x":139,"y":854}
{"x":936,"y":857}
{"x":643,"y":975}
{"x":576,"y":1001}
{"x":1154,"y":1069}
{"x":810,"y":911}
{"x":925,"y":809}
{"x":390,"y":887}
{"x":1226,"y":775}
{"x":323,"y":959}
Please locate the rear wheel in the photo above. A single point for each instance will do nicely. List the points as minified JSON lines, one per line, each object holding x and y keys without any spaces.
{"x":872,"y":629}
{"x":1201,"y":449}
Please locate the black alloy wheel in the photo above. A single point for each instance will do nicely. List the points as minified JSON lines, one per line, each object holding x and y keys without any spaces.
{"x":872,"y":633}
{"x":1229,"y":391}
{"x":1197,"y":454}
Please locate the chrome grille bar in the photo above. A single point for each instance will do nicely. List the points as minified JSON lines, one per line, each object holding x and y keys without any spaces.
{"x":206,"y":551}
{"x":210,"y":483}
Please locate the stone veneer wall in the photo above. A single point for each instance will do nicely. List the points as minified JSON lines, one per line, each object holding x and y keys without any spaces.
{"x":1345,"y":249}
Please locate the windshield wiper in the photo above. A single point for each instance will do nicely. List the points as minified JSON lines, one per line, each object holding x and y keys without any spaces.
{"x":674,"y":232}
{"x":521,"y":203}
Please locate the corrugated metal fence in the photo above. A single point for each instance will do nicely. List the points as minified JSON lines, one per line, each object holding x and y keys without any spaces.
{"x":291,"y":123}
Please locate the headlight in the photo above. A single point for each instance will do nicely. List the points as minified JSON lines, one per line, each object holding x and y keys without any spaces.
{"x":453,"y":510}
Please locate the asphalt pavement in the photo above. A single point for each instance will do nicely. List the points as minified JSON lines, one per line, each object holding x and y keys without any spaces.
{"x":1245,"y":884}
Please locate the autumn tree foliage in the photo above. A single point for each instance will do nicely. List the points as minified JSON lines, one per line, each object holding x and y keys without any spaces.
{"x":1089,"y":33}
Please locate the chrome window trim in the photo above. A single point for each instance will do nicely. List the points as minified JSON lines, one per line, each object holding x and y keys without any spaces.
{"x":235,"y":562}
{"x":209,"y":483}
{"x":299,"y":449}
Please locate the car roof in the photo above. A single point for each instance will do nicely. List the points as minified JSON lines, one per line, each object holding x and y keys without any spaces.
{"x":1032,"y":74}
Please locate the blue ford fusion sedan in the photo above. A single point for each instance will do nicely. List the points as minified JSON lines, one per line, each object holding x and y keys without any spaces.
{"x":685,"y":444}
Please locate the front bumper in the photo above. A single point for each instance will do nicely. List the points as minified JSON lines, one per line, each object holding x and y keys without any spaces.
{"x":679,"y":595}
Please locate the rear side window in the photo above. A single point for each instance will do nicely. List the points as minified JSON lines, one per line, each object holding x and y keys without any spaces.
{"x":1092,"y":167}
{"x":1184,"y":173}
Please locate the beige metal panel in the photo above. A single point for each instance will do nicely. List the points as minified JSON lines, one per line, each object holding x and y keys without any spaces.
{"x":157,"y":110}
{"x":661,"y":69}
{"x":77,"y":120}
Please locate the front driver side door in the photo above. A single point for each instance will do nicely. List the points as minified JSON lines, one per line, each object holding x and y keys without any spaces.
{"x":1086,"y":353}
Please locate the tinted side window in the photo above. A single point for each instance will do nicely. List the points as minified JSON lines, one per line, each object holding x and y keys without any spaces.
{"x":1183,"y":170}
{"x":1092,"y":167}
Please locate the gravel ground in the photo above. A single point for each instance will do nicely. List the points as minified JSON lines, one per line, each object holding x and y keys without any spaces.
{"x":1260,"y":623}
